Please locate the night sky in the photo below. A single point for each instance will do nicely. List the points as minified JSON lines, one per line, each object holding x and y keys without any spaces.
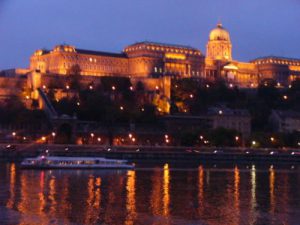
{"x":257,"y":27}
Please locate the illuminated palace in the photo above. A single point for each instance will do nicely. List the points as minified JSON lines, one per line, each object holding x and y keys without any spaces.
{"x":155,"y":64}
{"x":219,"y":64}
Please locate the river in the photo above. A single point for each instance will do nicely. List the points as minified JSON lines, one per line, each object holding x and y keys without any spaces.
{"x":161,"y":193}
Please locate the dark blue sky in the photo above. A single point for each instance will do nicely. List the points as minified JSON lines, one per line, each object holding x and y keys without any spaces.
{"x":257,"y":27}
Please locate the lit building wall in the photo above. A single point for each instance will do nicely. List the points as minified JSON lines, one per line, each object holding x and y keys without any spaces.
{"x":138,"y":60}
{"x":156,"y":59}
{"x":219,"y":45}
{"x":283,"y":70}
{"x":62,"y":58}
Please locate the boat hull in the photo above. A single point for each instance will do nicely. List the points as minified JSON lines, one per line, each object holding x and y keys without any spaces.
{"x":54,"y":162}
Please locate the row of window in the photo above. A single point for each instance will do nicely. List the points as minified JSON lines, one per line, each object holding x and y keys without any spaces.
{"x":154,"y":48}
{"x":278,"y":62}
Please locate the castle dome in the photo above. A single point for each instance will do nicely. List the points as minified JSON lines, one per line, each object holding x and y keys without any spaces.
{"x":219,"y":34}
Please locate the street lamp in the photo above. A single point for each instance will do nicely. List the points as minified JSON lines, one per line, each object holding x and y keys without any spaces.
{"x":272,"y":139}
{"x":133,"y":139}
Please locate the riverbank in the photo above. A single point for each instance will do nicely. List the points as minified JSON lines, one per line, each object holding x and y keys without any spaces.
{"x":17,"y":152}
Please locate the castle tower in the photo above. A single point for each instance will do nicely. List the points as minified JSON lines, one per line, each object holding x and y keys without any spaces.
{"x":219,"y":45}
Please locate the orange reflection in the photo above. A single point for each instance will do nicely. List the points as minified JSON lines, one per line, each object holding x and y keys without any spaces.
{"x":12,"y":182}
{"x":91,"y":195}
{"x":26,"y":206}
{"x":272,"y":184}
{"x":236,"y":187}
{"x":166,"y":191}
{"x":130,"y":201}
{"x":51,"y":197}
{"x":237,"y":192}
{"x":98,"y":193}
{"x":200,"y":190}
{"x":41,"y":194}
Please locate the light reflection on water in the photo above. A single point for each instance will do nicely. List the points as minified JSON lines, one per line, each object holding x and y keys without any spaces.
{"x":163,"y":194}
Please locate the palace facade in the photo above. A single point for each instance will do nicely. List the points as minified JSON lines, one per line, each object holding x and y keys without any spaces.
{"x":144,"y":59}
{"x":156,"y":61}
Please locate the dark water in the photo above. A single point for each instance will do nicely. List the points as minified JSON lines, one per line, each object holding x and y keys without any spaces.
{"x":163,"y":194}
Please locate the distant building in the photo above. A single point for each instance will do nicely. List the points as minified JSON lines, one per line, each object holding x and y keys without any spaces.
{"x":283,"y":70}
{"x":285,"y":121}
{"x":219,"y":64}
{"x":14,"y":72}
{"x":178,"y":123}
{"x":13,"y":83}
{"x":234,"y":119}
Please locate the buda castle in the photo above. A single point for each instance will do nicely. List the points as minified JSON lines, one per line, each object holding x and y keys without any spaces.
{"x":150,"y":60}
{"x":157,"y":64}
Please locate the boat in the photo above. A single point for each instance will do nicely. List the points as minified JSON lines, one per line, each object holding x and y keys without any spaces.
{"x":57,"y":162}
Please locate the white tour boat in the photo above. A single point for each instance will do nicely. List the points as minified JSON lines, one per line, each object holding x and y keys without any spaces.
{"x":57,"y":162}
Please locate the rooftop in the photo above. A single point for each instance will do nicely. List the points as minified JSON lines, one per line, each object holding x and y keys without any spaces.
{"x":165,"y":45}
{"x":275,"y":57}
{"x":227,"y":111}
{"x":100,"y":53}
{"x":287,"y":114}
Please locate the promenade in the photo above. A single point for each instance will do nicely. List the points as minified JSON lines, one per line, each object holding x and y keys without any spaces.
{"x":16,"y":152}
